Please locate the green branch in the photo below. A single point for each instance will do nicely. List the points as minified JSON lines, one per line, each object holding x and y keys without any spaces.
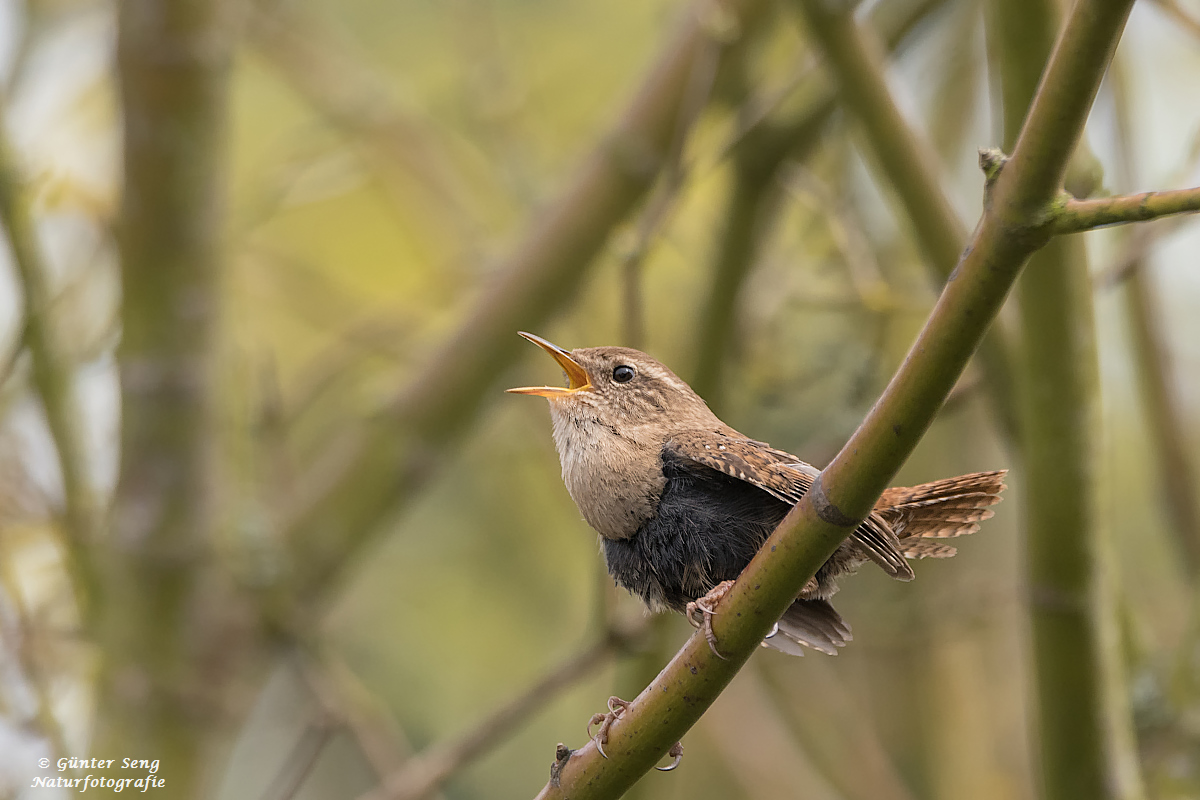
{"x":1075,"y":216}
{"x":1077,"y":677}
{"x":422,"y":774}
{"x":850,"y":485}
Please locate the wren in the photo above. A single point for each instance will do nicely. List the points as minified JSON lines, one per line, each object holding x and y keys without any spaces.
{"x":682,"y":501}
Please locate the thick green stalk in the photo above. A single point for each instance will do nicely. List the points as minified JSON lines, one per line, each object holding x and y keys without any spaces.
{"x":1013,"y":226}
{"x":1061,"y":448}
{"x":1069,"y":604}
{"x":1077,"y":707}
{"x":168,"y":628}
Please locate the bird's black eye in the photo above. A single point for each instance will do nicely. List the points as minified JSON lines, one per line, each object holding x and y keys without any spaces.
{"x":623,"y":374}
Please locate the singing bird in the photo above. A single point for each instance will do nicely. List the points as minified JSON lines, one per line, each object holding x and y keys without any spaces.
{"x":682,"y":501}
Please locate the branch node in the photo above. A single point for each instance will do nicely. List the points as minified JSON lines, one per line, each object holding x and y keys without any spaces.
{"x":991,"y":161}
{"x":562,"y":754}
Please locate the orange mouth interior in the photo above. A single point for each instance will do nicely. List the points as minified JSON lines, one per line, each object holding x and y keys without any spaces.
{"x":577,"y":378}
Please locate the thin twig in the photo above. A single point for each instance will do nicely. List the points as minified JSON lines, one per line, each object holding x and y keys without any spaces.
{"x":1144,"y":238}
{"x":356,"y":101}
{"x":53,"y":378}
{"x":300,"y":760}
{"x":1076,"y":216}
{"x":696,"y":95}
{"x":1161,"y":404}
{"x":542,"y":273}
{"x":347,"y":703}
{"x":431,"y":767}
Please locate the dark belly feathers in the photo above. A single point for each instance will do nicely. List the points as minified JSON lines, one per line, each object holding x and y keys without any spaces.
{"x":707,"y":529}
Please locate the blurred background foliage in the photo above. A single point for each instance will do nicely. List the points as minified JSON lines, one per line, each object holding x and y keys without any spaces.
{"x":381,"y":161}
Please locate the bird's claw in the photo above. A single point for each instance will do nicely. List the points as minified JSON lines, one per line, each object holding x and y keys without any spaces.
{"x":707,"y":607}
{"x":616,"y":707}
{"x":677,"y":752}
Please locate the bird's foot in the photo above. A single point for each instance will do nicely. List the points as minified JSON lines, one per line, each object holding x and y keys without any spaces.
{"x":676,"y":752}
{"x":616,"y":707}
{"x":706,"y":606}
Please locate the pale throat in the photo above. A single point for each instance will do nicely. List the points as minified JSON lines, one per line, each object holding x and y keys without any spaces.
{"x":612,"y":472}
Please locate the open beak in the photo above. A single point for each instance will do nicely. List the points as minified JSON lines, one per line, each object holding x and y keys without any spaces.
{"x":576,"y":375}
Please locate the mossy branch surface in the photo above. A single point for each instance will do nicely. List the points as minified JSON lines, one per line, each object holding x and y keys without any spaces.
{"x":1008,"y":233}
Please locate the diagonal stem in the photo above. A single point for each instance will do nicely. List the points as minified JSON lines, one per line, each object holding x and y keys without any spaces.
{"x":401,"y":447}
{"x":54,"y":381}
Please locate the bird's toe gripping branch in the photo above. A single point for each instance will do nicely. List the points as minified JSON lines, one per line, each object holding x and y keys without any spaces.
{"x":616,"y":708}
{"x":706,"y":607}
{"x":676,"y":752}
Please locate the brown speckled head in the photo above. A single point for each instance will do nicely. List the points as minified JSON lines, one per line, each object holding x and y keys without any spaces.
{"x":611,"y":420}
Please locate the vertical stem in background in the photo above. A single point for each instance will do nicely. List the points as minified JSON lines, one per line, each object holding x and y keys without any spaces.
{"x":1071,"y":603}
{"x":1164,"y":417}
{"x":164,"y":629}
{"x":55,"y":382}
{"x":1061,"y":414}
{"x":674,"y":172}
{"x":751,"y":203}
